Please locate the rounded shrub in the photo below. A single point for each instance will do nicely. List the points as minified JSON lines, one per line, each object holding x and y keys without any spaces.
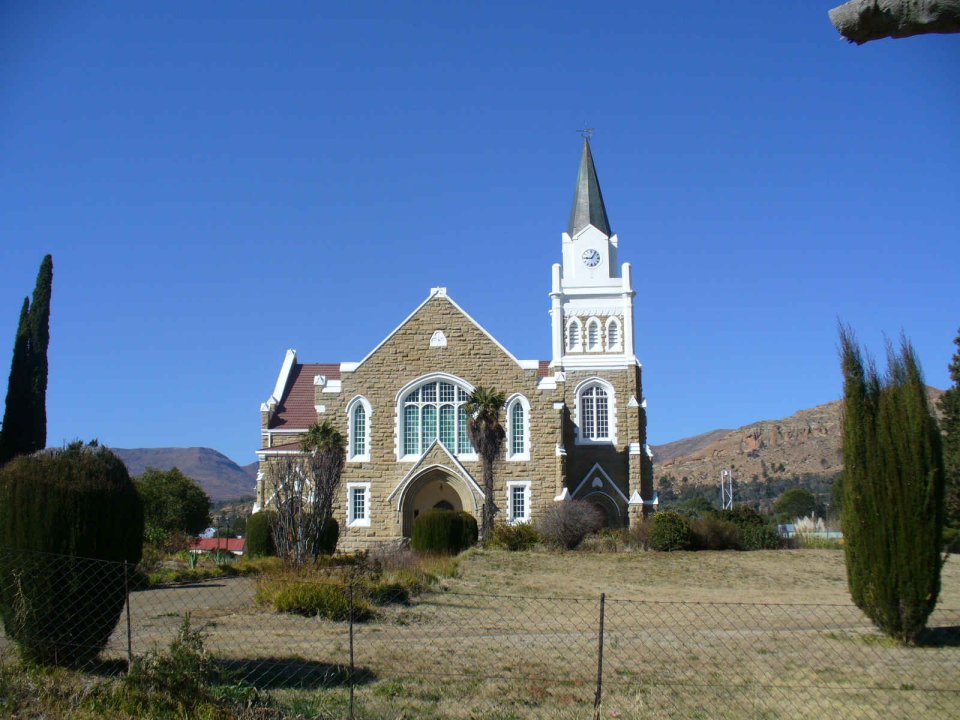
{"x":443,"y":532}
{"x":669,"y":531}
{"x":760,"y":537}
{"x":259,"y":534}
{"x":329,"y":537}
{"x":320,"y":599}
{"x":564,"y":525}
{"x":69,"y":518}
{"x":521,"y":536}
{"x":712,"y":533}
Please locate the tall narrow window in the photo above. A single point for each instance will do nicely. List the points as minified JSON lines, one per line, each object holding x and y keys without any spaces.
{"x":358,"y":430}
{"x":518,"y":444}
{"x":464,"y":443}
{"x":573,"y":335}
{"x":447,"y":436}
{"x":518,"y":501}
{"x":613,"y":334}
{"x":594,"y":414}
{"x":593,"y":335}
{"x":411,"y":430}
{"x":429,"y":425}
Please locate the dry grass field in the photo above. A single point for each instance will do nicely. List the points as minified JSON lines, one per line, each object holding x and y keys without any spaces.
{"x":769,"y":634}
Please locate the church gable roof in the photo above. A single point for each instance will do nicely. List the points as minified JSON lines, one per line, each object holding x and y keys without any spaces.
{"x":296,"y":407}
{"x":588,"y":207}
{"x":422,"y":313}
{"x":436,"y":455}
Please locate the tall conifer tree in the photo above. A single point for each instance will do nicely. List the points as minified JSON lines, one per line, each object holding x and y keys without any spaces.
{"x":25,"y":415}
{"x":950,"y":407}
{"x":892,"y":490}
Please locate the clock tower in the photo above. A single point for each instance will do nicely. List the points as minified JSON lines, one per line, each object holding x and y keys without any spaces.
{"x":591,"y":294}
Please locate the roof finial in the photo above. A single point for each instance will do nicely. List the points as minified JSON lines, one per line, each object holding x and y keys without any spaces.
{"x":586,"y":132}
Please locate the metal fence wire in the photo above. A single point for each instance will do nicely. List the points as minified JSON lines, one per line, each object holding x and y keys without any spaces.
{"x":467,"y":654}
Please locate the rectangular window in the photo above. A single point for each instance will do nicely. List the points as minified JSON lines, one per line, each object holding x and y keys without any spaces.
{"x":587,"y":400}
{"x":358,"y":504}
{"x":518,"y":501}
{"x":603,"y":427}
{"x":411,"y":430}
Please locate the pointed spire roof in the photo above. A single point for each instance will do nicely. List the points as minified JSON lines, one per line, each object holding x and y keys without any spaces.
{"x":588,"y":208}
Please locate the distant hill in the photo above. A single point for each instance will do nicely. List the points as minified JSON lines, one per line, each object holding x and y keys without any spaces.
{"x":808,"y":443}
{"x":218,"y":475}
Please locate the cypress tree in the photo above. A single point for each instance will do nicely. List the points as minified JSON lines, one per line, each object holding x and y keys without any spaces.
{"x":39,"y":323}
{"x":25,"y":416}
{"x":892,"y":490}
{"x":950,"y":407}
{"x":14,"y":437}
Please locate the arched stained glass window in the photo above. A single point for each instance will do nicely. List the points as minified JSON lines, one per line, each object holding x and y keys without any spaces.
{"x":358,"y":427}
{"x":518,"y":440}
{"x":359,"y":430}
{"x":594,"y":414}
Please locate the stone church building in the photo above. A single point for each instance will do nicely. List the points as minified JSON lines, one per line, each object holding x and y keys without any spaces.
{"x":576,"y":423}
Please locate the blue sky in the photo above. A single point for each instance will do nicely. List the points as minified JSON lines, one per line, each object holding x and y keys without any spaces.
{"x":218,"y":182}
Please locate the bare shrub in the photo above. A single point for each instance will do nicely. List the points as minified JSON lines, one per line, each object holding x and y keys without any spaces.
{"x":565,"y":524}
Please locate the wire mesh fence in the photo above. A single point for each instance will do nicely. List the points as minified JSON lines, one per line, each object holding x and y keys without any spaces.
{"x":446,"y":652}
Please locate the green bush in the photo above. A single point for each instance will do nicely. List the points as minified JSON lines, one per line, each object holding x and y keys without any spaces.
{"x":259,"y":534}
{"x":320,"y":599}
{"x":742,"y":516}
{"x":669,"y":531}
{"x":760,"y":537}
{"x":62,"y":513}
{"x":713,"y":533}
{"x":329,"y":537}
{"x":521,"y":536}
{"x":444,"y":532}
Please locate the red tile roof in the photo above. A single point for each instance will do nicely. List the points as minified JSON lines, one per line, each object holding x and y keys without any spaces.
{"x":543,"y":369}
{"x":210,"y":544}
{"x":296,"y":407}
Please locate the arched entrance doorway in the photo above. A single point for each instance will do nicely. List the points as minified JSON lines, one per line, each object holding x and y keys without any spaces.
{"x":435,"y":488}
{"x":608,"y":509}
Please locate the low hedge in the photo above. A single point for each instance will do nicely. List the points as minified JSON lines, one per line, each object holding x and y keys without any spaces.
{"x":521,"y":536}
{"x":319,"y":599}
{"x":444,"y":532}
{"x":669,"y":531}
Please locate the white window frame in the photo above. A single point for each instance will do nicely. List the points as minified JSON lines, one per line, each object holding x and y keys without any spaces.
{"x":617,"y":346}
{"x":399,"y":425}
{"x":593,"y":321}
{"x":527,"y":497}
{"x":353,"y":521}
{"x":611,"y":438}
{"x":512,"y":402}
{"x":577,"y":346}
{"x":368,"y":413}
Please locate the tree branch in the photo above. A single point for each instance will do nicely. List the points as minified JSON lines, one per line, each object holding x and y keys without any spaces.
{"x":861,"y":21}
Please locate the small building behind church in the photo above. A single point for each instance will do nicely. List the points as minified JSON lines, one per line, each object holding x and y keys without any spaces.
{"x":575,"y":423}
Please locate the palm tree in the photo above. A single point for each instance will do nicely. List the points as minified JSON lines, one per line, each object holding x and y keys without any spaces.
{"x":486,"y":432}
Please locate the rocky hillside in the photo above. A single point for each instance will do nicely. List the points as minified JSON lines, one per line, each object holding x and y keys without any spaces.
{"x":218,"y":475}
{"x":806,"y":443}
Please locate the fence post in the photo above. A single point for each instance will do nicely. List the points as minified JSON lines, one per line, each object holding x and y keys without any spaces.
{"x":599,"y":696}
{"x":126,"y":592}
{"x":350,"y":619}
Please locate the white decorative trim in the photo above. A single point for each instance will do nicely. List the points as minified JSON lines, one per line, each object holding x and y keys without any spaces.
{"x":561,"y":451}
{"x":289,"y":360}
{"x":634,"y":448}
{"x":633,"y":402}
{"x":644,"y":404}
{"x":593,"y":319}
{"x":611,"y":412}
{"x":563,"y":496}
{"x":438,"y":339}
{"x":527,"y":497}
{"x":529,"y":364}
{"x":332,"y":386}
{"x":348,"y":367}
{"x":559,"y":405}
{"x":361,"y":521}
{"x":439,"y":291}
{"x":603,"y":473}
{"x":597,"y":361}
{"x":458,"y":470}
{"x":368,"y":414}
{"x":525,"y":404}
{"x":648,"y":450}
{"x":635,"y":499}
{"x":547,"y":383}
{"x":320,"y":409}
{"x":319,"y":380}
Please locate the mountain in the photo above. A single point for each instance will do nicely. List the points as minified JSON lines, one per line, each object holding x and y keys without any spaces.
{"x":806,"y":443}
{"x":219,"y":476}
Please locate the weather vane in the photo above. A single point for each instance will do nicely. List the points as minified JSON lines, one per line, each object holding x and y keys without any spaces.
{"x":585,"y":132}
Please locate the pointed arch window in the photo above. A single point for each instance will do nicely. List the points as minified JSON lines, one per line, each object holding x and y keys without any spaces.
{"x":614,"y":335}
{"x":358,"y":429}
{"x":574,"y":339}
{"x":518,"y":428}
{"x":432,"y":411}
{"x":593,"y":335}
{"x":595,"y":412}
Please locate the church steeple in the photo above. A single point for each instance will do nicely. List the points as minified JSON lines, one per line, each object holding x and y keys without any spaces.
{"x":588,"y":208}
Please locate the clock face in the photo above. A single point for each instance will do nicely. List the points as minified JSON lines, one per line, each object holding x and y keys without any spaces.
{"x":591,"y":258}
